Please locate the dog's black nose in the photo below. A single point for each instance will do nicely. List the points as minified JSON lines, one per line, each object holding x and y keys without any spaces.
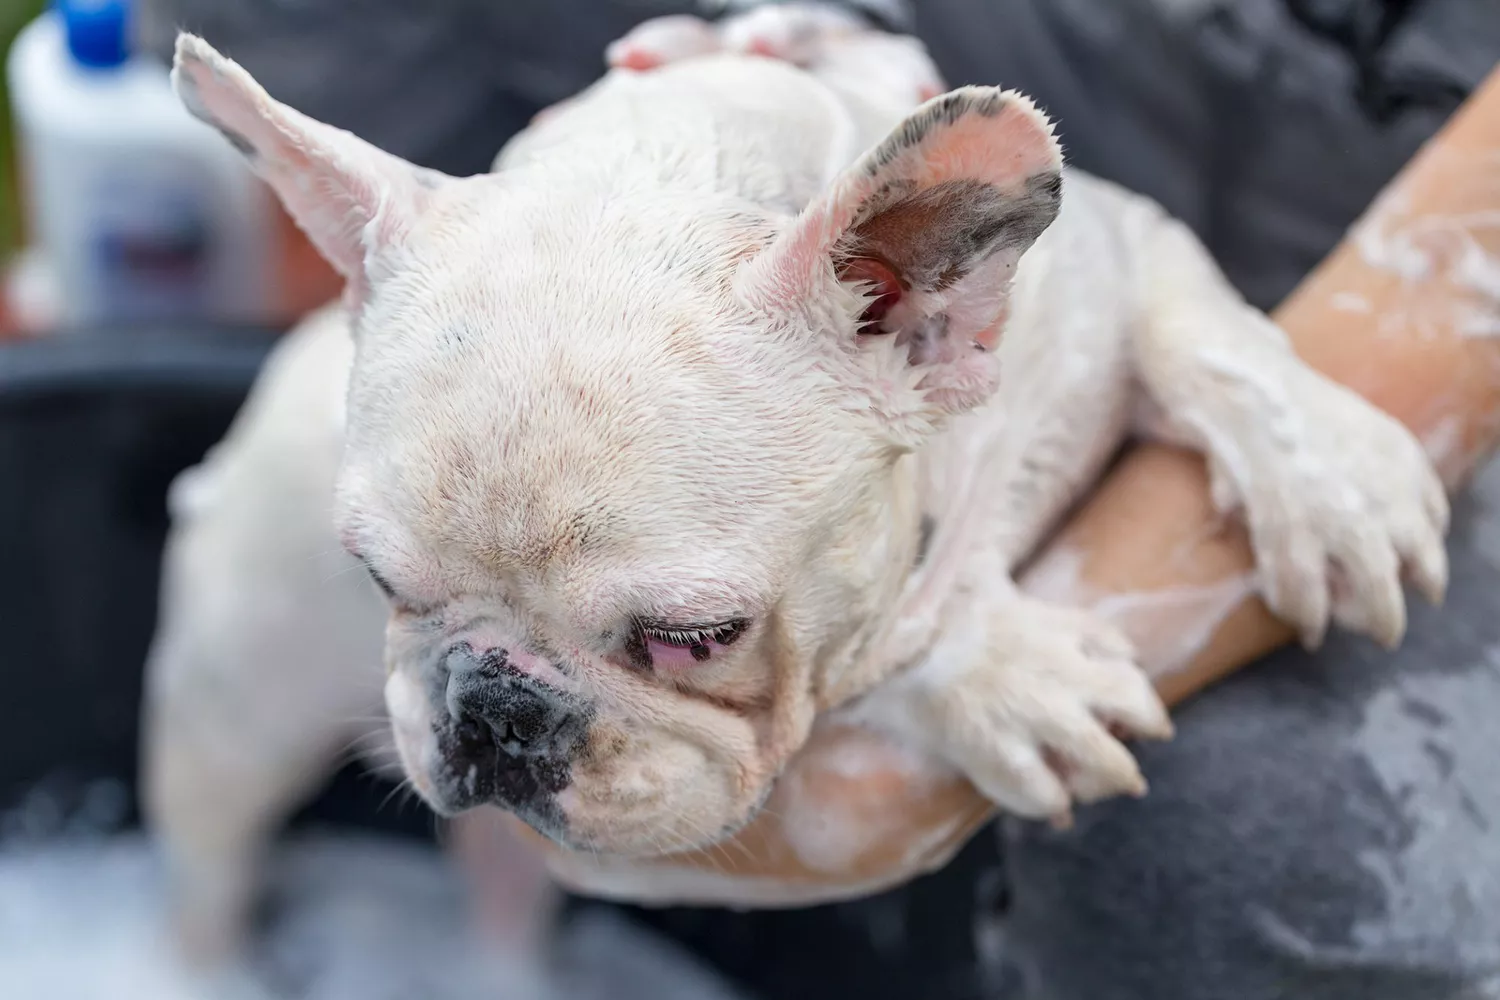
{"x":509,"y":738}
{"x":506,"y":717}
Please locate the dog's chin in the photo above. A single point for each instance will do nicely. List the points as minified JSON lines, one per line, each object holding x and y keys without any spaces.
{"x":690,"y":808}
{"x":674,"y":829}
{"x":449,"y":794}
{"x":568,"y":823}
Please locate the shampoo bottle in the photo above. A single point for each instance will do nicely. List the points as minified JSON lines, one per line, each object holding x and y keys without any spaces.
{"x":139,"y":212}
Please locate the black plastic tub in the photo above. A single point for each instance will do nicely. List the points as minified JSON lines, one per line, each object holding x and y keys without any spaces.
{"x":93,"y":428}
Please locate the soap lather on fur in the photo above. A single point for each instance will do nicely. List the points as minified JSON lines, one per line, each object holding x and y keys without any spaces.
{"x":734,"y":396}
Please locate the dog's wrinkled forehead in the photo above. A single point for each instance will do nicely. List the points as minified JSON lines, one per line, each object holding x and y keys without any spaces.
{"x":556,"y":374}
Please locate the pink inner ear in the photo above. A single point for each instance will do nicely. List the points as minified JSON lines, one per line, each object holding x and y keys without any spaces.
{"x":886,"y":289}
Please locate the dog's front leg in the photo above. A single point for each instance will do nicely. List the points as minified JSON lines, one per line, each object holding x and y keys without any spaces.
{"x":834,"y":42}
{"x":1031,"y":701}
{"x":265,"y":667}
{"x":1339,"y":498}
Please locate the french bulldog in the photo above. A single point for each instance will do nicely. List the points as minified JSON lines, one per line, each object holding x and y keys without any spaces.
{"x":732,"y":397}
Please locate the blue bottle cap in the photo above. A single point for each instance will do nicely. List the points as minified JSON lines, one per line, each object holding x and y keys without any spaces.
{"x":97,"y":31}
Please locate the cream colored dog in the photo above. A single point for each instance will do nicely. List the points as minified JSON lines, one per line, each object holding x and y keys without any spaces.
{"x":733,"y":396}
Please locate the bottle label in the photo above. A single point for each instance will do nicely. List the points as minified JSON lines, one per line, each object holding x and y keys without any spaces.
{"x":153,"y":242}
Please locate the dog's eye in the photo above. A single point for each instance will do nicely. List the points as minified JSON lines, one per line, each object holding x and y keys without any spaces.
{"x":381,"y":583}
{"x":663,"y":644}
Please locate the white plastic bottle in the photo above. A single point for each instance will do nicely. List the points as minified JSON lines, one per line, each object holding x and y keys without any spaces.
{"x":140,"y":212}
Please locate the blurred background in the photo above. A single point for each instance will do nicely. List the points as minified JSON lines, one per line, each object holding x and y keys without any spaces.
{"x":147,"y":276}
{"x":13,"y":17}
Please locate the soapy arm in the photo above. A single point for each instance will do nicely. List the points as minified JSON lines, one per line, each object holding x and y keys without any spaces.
{"x":1338,"y":497}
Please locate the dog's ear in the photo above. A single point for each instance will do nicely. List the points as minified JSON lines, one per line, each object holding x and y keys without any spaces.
{"x":926,"y":230}
{"x":354,"y":201}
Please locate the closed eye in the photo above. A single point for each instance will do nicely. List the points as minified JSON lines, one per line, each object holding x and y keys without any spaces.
{"x":381,"y":583}
{"x":669,"y":644}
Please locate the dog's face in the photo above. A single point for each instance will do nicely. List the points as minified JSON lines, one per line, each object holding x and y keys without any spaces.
{"x":612,"y":521}
{"x":620,"y":457}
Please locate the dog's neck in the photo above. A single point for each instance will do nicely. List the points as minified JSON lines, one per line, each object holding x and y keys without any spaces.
{"x":891,"y":545}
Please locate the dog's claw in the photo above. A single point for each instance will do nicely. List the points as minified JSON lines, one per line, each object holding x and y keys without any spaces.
{"x":1038,"y":722}
{"x":1340,"y":517}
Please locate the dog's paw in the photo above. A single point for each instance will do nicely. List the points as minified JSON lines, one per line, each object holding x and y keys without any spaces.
{"x":663,"y":40}
{"x":1342,"y":505}
{"x":798,"y":33}
{"x":824,"y":39}
{"x":1033,"y":706}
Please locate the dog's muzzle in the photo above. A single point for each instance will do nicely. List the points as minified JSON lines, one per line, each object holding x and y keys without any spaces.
{"x":506,"y":739}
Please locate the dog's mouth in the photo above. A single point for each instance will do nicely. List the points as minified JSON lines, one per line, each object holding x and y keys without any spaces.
{"x":483,"y":734}
{"x":578,"y":812}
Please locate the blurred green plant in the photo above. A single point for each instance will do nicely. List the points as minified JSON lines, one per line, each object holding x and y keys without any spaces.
{"x":14,"y":15}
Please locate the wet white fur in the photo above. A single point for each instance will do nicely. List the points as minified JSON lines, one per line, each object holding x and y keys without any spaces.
{"x":547,"y":297}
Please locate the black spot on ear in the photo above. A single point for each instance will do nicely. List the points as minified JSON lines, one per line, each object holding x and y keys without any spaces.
{"x":187,"y":93}
{"x":937,"y":236}
{"x":924,"y":537}
{"x":192,"y":99}
{"x":999,"y":221}
{"x":1047,"y":186}
{"x":942,"y":111}
{"x":989,"y":104}
{"x":239,"y":142}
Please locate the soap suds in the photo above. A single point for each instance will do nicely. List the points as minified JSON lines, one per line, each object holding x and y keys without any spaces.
{"x":814,"y":834}
{"x":1169,"y":626}
{"x":1444,"y":442}
{"x":351,"y":918}
{"x":1452,"y":280}
{"x":1351,"y":302}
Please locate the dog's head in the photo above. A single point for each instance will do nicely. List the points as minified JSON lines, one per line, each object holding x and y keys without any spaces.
{"x":619,"y":454}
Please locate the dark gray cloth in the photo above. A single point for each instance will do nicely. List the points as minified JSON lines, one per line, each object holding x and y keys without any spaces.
{"x":1324,"y":827}
{"x":440,"y":82}
{"x":1265,"y":135}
